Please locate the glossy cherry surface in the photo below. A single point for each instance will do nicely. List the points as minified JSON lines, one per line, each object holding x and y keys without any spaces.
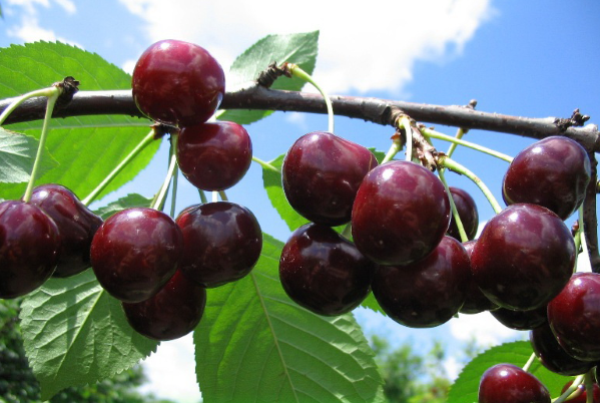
{"x":521,"y":320}
{"x":553,"y":172}
{"x":177,"y":83}
{"x":553,"y":356}
{"x":29,"y":248}
{"x":506,"y":383}
{"x":475,"y":302}
{"x":323,"y":272}
{"x":428,"y":292}
{"x":524,"y":257}
{"x":76,"y":224}
{"x":214,"y":156}
{"x":321,"y":174}
{"x":400,"y":214}
{"x":135,"y":252}
{"x":582,"y":395}
{"x":574,"y":316}
{"x":170,"y":314}
{"x":222,"y":242}
{"x":467,"y":211}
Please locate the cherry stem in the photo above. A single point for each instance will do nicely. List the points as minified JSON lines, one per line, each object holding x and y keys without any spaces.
{"x":394,"y":149}
{"x":588,"y":381}
{"x":265,"y":164}
{"x":529,"y":362}
{"x":405,"y":123}
{"x":44,"y":92}
{"x":576,"y":382}
{"x":455,"y":215}
{"x":175,"y":181}
{"x":159,"y":200}
{"x":298,"y":72}
{"x":141,"y":145}
{"x":223,"y":195}
{"x":459,"y":135}
{"x":440,"y":136}
{"x":203,"y":198}
{"x":53,"y":93}
{"x":460,"y":169}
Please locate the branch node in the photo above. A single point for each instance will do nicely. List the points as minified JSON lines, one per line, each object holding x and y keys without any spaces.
{"x":69,"y":88}
{"x":576,"y":120}
{"x":267,"y":77}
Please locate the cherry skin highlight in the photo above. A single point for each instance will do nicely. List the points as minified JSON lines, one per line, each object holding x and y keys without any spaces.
{"x":177,"y":83}
{"x":506,"y":383}
{"x":214,"y":156}
{"x":321,"y":174}
{"x":222,"y":242}
{"x":76,"y":223}
{"x":29,"y":248}
{"x":135,"y":252}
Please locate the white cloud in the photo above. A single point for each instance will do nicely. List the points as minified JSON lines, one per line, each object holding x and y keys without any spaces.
{"x":483,"y":328}
{"x":129,"y":65}
{"x":362,"y":48}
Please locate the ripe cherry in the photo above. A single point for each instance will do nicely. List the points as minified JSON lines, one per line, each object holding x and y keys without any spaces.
{"x":553,"y":172}
{"x":400,"y":214}
{"x":475,"y":302}
{"x":76,"y":223}
{"x":467,"y":211}
{"x":582,"y":395}
{"x":574,"y":316}
{"x":177,"y":83}
{"x":524,"y":257}
{"x":29,"y":248}
{"x":321,"y":174}
{"x":135,"y":252}
{"x":214,"y":156}
{"x":222,"y":242}
{"x":521,"y":320}
{"x":323,"y":272}
{"x":428,"y":292}
{"x":170,"y":314}
{"x":506,"y":383}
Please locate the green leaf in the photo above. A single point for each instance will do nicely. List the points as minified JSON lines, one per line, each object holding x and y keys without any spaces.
{"x":129,"y":201}
{"x":17,"y":154}
{"x":87,"y":147}
{"x":255,"y":344}
{"x":465,"y":388}
{"x":75,"y":333}
{"x":300,"y":49}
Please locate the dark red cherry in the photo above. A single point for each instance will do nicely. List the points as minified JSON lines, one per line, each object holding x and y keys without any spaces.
{"x":177,"y":83}
{"x":76,"y":223}
{"x":467,"y":211}
{"x":553,"y":356}
{"x":553,"y":172}
{"x":475,"y":302}
{"x":170,"y":314}
{"x":222,"y":242}
{"x":506,"y":383}
{"x":524,"y":257}
{"x":323,"y":272}
{"x":521,"y":320}
{"x":428,"y":292}
{"x":321,"y":174}
{"x":400,"y":214}
{"x":29,"y":248}
{"x":581,"y":393}
{"x":214,"y":156}
{"x":135,"y":252}
{"x":574,"y":316}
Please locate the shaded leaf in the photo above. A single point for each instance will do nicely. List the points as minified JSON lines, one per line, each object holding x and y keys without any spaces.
{"x":255,"y":344}
{"x":17,"y":155}
{"x":131,"y":200}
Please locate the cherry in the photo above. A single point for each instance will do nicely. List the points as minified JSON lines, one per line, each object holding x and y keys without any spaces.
{"x":135,"y":252}
{"x":553,"y":172}
{"x":177,"y":83}
{"x":323,"y":272}
{"x":467,"y":211}
{"x":428,"y":292}
{"x":400,"y":214}
{"x":524,"y":257}
{"x":321,"y":174}
{"x":476,"y":302}
{"x":214,"y":156}
{"x":29,"y":248}
{"x":574,"y":316}
{"x":521,"y":320}
{"x":506,"y":383}
{"x":582,"y":395}
{"x":76,"y":223}
{"x":553,"y":356}
{"x":170,"y":314}
{"x":222,"y":242}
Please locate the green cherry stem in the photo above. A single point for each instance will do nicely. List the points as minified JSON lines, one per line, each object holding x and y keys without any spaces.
{"x":440,"y":136}
{"x":405,"y":123}
{"x":457,"y":220}
{"x":175,"y":181}
{"x":529,"y":362}
{"x":459,"y":135}
{"x":44,"y":92}
{"x":265,"y":164}
{"x":298,"y":72}
{"x":53,"y":93}
{"x":203,"y":198}
{"x":141,"y":145}
{"x":159,"y":200}
{"x":223,"y":195}
{"x":446,"y":162}
{"x":394,"y":149}
{"x":588,"y":381}
{"x":576,"y":382}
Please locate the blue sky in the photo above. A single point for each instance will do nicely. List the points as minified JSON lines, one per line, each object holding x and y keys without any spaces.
{"x":534,"y":58}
